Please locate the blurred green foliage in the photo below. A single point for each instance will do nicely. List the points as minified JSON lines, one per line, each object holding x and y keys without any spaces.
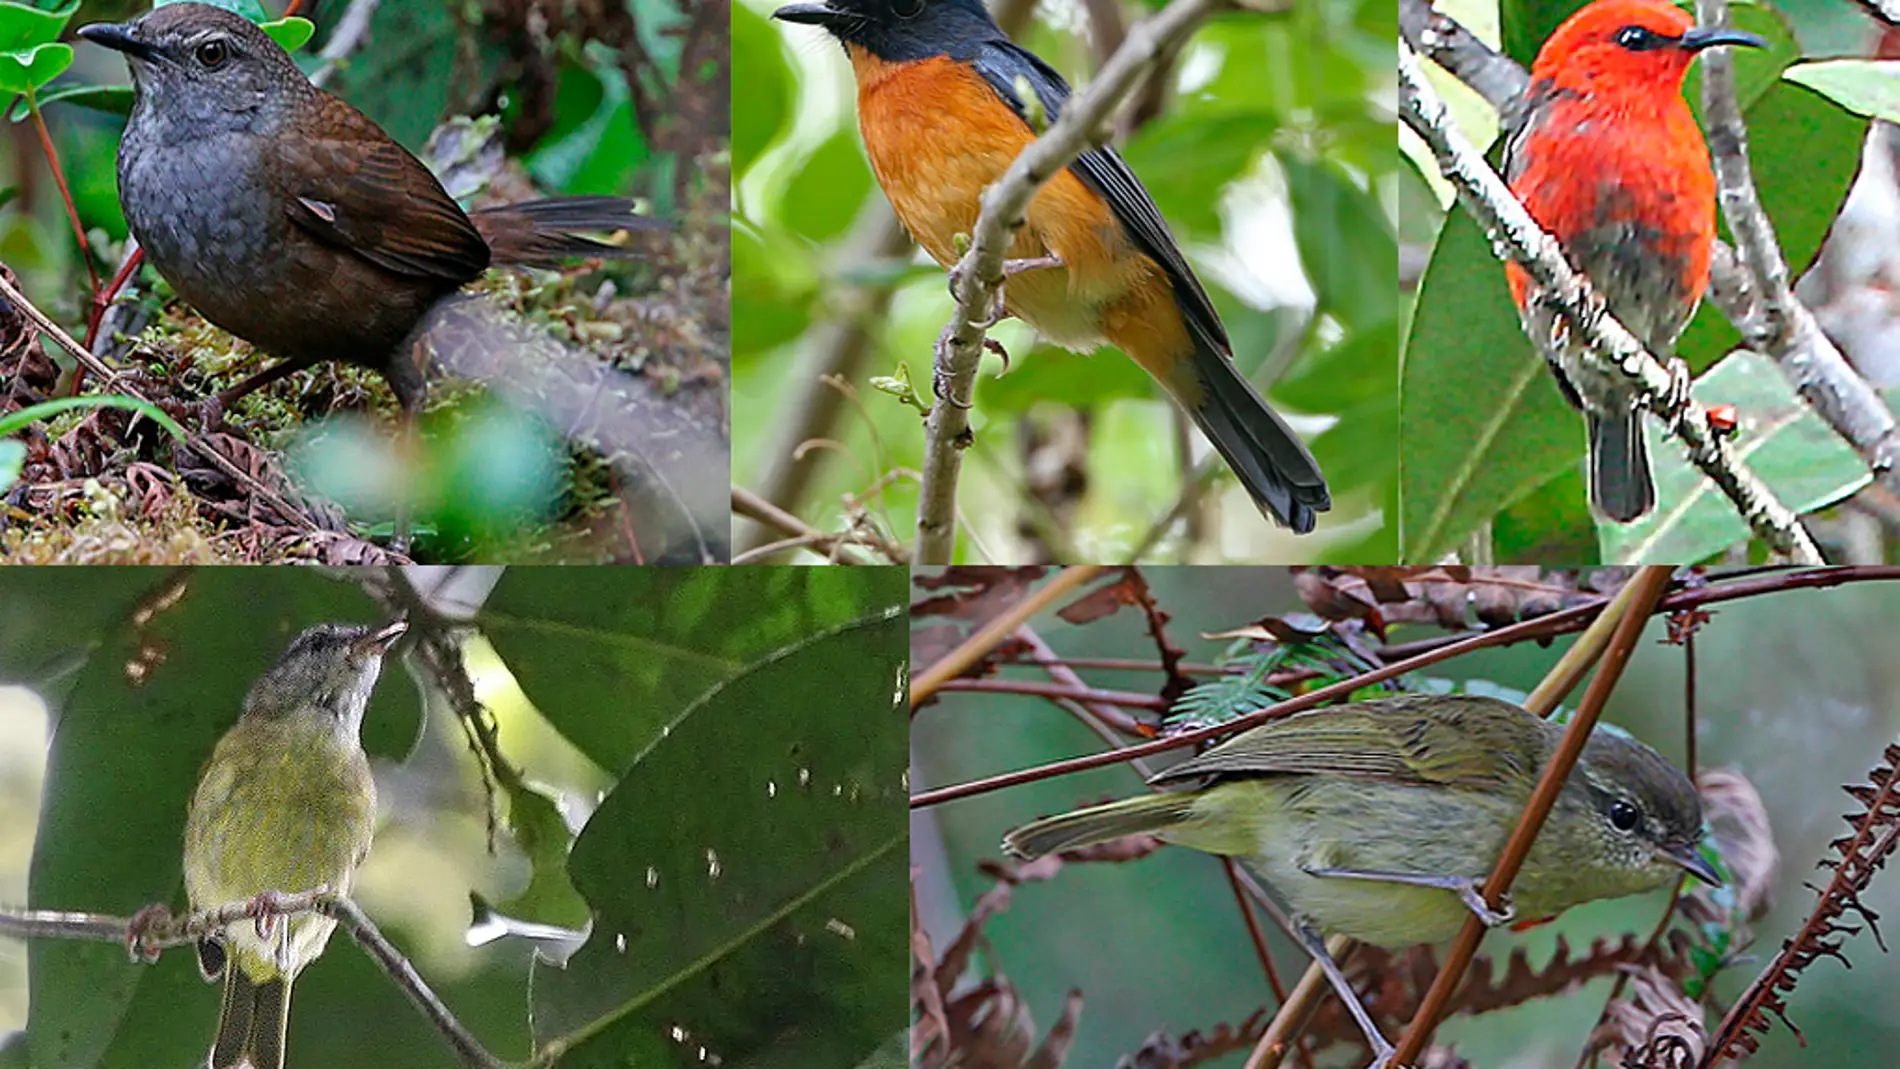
{"x":1272,"y":157}
{"x":1486,"y":436}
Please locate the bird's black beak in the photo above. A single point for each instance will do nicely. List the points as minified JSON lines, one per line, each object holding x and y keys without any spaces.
{"x":119,"y":38}
{"x":810,"y":14}
{"x":1699,"y":38}
{"x":1691,"y":860}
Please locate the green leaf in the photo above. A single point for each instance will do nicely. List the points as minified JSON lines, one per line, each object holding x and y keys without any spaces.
{"x":542,"y":834}
{"x":22,"y":25}
{"x":1346,"y":243}
{"x":25,"y":417}
{"x":1804,"y":462}
{"x":250,"y":9}
{"x":662,"y":642}
{"x":12,"y":459}
{"x":828,"y":191}
{"x":1868,"y":87}
{"x":760,"y":113}
{"x":1479,"y":415}
{"x":596,"y":147}
{"x":290,"y":33}
{"x":747,"y":875}
{"x":26,"y":69}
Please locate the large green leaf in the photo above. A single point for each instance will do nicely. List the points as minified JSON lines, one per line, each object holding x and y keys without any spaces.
{"x":747,"y":875}
{"x":1480,"y":419}
{"x":1346,"y":244}
{"x":657,"y":641}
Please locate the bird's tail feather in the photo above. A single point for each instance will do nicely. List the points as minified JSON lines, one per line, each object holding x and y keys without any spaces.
{"x":1148,"y":814}
{"x":542,"y":231}
{"x":1273,"y":464}
{"x":252,"y":1022}
{"x":1620,"y":481}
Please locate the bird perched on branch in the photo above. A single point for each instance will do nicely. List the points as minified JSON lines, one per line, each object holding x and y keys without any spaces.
{"x":946,"y":102}
{"x":1606,"y":156}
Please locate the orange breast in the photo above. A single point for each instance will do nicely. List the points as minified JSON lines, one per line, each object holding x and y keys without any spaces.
{"x":937,"y":135}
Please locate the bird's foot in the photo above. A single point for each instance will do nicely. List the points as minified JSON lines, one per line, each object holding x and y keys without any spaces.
{"x":940,"y":367}
{"x":1680,"y":382}
{"x":1471,"y":893}
{"x":264,"y":911}
{"x":137,"y":945}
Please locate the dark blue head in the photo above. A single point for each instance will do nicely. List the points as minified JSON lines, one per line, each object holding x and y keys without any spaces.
{"x":898,"y":31}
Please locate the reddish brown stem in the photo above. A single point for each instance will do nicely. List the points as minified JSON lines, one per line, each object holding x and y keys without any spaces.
{"x":59,"y":179}
{"x":1037,"y":688}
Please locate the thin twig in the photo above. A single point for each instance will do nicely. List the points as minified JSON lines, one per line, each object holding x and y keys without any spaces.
{"x":1646,"y":590}
{"x":992,"y":634}
{"x":838,"y":545}
{"x":979,"y":276}
{"x":1568,"y":294}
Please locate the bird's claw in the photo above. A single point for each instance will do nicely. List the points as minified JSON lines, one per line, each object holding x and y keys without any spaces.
{"x":1472,"y":896}
{"x":136,"y":945}
{"x":1680,"y":382}
{"x":264,"y":910}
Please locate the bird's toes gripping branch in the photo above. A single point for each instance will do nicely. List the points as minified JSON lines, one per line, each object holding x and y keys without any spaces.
{"x":138,"y":945}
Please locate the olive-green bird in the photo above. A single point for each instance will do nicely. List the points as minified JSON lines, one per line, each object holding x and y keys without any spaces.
{"x":1381,"y":819}
{"x":285,"y":805}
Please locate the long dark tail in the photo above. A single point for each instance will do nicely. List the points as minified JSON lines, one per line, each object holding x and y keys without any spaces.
{"x":252,"y":1022}
{"x":1273,"y":464}
{"x":543,"y":231}
{"x":1620,"y":481}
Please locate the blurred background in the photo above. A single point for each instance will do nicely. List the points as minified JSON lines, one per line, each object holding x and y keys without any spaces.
{"x":1269,"y":150}
{"x":740,"y":874}
{"x":582,"y":417}
{"x":1798,"y":692}
{"x":1492,"y":465}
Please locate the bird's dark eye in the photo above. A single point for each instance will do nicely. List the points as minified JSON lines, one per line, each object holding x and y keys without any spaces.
{"x":1640,"y":38}
{"x":1624,"y":816}
{"x":211,"y":53}
{"x":908,"y":9}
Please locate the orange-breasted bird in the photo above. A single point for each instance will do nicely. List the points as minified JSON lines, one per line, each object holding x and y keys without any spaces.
{"x":1606,"y":157}
{"x":941,"y":106}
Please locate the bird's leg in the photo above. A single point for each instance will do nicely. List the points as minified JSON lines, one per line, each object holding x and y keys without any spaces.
{"x":1315,"y":945}
{"x":1467,"y":888}
{"x":136,"y":947}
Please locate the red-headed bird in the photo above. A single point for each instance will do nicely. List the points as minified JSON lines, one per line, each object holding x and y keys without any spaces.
{"x":940,"y":103}
{"x":1608,"y":159}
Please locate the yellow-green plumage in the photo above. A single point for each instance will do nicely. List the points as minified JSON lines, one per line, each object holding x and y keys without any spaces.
{"x":285,"y":804}
{"x":1420,"y":785}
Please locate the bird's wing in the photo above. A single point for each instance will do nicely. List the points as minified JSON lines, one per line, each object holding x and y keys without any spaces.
{"x":361,"y":191}
{"x":1002,"y":63}
{"x":1421,"y":740}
